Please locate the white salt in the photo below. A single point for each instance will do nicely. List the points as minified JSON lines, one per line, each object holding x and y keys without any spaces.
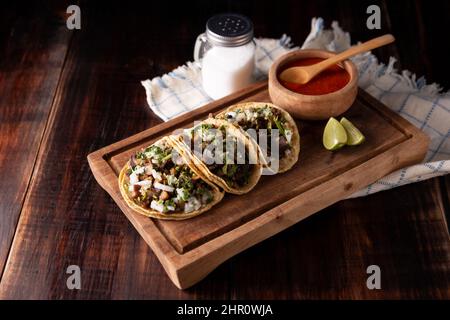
{"x":227,"y":69}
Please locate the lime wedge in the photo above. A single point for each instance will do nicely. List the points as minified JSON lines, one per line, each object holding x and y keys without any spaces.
{"x":354,"y":136}
{"x":334,"y":135}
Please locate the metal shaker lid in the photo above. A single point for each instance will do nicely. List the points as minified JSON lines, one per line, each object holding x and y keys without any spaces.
{"x":229,"y":30}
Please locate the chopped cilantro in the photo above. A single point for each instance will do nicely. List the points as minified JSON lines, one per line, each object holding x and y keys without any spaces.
{"x":231,"y":170}
{"x":279,"y":125}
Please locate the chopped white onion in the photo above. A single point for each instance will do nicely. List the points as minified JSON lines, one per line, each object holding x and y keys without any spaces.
{"x":134,"y":178}
{"x":192,"y":204}
{"x":156,"y":175}
{"x":188,"y":207}
{"x":177,"y":159}
{"x":164,"y":187}
{"x":157,"y":206}
{"x":266,"y":112}
{"x":148,"y":169}
{"x":138,"y":169}
{"x":231,"y":114}
{"x":144,"y":183}
{"x":288,"y":134}
{"x":240,"y":117}
{"x":171,"y":180}
{"x":182,"y":194}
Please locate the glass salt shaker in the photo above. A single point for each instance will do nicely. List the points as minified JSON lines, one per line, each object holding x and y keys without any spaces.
{"x":226,"y":52}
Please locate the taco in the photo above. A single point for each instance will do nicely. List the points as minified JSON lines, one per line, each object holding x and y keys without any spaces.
{"x":263,"y":115}
{"x":158,"y":183}
{"x":225,"y":155}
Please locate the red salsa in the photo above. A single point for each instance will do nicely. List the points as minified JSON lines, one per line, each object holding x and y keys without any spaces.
{"x":330,"y":80}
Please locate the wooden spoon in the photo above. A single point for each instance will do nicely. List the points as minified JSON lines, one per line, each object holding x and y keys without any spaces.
{"x":302,"y":75}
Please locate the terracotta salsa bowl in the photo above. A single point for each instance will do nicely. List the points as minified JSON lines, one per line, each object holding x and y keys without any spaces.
{"x":312,"y":107}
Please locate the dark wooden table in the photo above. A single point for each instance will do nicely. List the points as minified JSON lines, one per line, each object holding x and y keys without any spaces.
{"x":64,"y":94}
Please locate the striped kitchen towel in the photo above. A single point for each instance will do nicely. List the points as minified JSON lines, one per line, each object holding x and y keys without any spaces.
{"x":423,"y":105}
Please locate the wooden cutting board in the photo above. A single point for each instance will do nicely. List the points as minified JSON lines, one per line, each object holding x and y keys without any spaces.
{"x":192,"y":248}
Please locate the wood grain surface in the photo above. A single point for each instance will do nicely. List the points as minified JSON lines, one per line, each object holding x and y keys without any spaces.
{"x":190,"y":249}
{"x":33,"y":45}
{"x":57,"y":110}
